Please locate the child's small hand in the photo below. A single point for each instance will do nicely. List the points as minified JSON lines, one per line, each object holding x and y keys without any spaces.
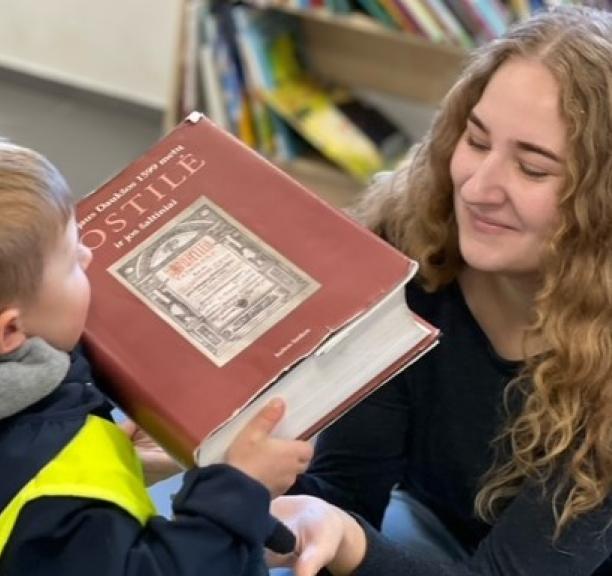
{"x":272,"y":461}
{"x":157,"y":464}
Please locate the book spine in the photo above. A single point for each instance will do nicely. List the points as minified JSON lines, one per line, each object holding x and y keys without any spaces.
{"x":212,"y":88}
{"x":232,"y":78}
{"x":399,"y":17}
{"x":537,"y":5}
{"x":254,"y":79}
{"x":521,"y":9}
{"x":376,"y":10}
{"x":343,"y":7}
{"x":494,"y":14}
{"x":189,"y":54}
{"x":471,"y":18}
{"x":450,"y":23}
{"x":424,"y":19}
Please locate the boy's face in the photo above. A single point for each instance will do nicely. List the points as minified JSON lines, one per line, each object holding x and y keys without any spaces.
{"x":58,"y":313}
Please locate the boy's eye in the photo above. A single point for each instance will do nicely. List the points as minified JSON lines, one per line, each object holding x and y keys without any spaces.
{"x":476,"y":143}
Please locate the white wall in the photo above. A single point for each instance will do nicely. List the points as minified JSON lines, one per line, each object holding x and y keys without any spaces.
{"x":122,"y":48}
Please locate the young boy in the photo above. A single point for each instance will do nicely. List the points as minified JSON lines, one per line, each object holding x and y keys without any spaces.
{"x":72,"y":496}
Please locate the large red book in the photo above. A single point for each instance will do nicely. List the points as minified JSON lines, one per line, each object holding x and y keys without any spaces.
{"x":219,"y":282}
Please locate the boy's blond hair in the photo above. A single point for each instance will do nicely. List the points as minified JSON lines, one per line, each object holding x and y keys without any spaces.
{"x":35,"y":206}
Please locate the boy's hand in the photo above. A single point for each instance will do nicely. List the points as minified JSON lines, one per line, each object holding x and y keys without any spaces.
{"x":272,"y":461}
{"x":157,"y":464}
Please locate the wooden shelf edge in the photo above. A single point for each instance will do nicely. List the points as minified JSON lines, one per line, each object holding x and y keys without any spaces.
{"x":355,"y":51}
{"x":361,"y":23}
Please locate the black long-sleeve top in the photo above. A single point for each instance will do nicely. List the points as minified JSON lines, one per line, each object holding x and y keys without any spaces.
{"x":430,"y":430}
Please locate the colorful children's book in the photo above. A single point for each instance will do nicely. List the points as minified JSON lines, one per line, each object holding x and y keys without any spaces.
{"x":316,"y":116}
{"x":267,"y":47}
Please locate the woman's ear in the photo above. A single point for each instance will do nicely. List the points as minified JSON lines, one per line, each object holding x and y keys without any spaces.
{"x":12,"y":335}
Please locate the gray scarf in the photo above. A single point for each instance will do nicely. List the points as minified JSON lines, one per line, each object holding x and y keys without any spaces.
{"x":29,"y":374}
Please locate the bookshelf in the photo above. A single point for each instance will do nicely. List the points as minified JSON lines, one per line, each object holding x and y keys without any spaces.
{"x":355,"y":51}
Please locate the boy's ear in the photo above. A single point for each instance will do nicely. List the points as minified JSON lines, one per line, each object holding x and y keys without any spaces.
{"x":12,"y":335}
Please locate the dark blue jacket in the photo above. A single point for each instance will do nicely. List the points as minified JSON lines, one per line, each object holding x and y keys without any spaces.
{"x":221,"y":515}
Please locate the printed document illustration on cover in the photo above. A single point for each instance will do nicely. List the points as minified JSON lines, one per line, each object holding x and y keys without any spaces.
{"x":213,"y":280}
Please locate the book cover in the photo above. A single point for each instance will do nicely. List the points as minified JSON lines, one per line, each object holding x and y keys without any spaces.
{"x":313,"y":112}
{"x":218,"y":280}
{"x":391,"y":142}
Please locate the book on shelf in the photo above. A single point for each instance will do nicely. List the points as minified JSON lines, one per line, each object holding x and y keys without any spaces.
{"x":266,"y":48}
{"x":483,"y":19}
{"x":291,"y":113}
{"x":188,"y":92}
{"x":376,"y":10}
{"x":218,"y":282}
{"x":340,"y":6}
{"x":355,"y":136}
{"x":520,"y":9}
{"x":426,"y":23}
{"x":453,"y":28}
{"x":403,"y":20}
{"x":495,"y":14}
{"x":461,"y":22}
{"x":221,"y":87}
{"x":389,"y":139}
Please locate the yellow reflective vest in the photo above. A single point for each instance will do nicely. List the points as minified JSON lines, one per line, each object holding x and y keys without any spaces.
{"x":99,"y":463}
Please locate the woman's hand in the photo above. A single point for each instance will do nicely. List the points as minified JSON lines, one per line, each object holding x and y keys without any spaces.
{"x":157,"y":464}
{"x":326,"y":537}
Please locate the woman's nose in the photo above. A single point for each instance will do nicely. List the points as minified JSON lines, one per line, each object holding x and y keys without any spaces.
{"x":487,"y":182}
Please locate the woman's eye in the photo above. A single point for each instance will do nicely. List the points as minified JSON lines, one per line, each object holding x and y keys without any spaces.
{"x":532,"y":172}
{"x":477,"y":144}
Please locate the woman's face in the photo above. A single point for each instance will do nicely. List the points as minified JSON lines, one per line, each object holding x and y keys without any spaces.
{"x":508,"y":169}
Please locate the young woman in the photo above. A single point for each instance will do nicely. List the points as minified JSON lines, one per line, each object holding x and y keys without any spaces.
{"x":501,"y":437}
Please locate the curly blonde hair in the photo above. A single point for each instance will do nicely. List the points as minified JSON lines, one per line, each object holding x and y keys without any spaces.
{"x":563,"y":435}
